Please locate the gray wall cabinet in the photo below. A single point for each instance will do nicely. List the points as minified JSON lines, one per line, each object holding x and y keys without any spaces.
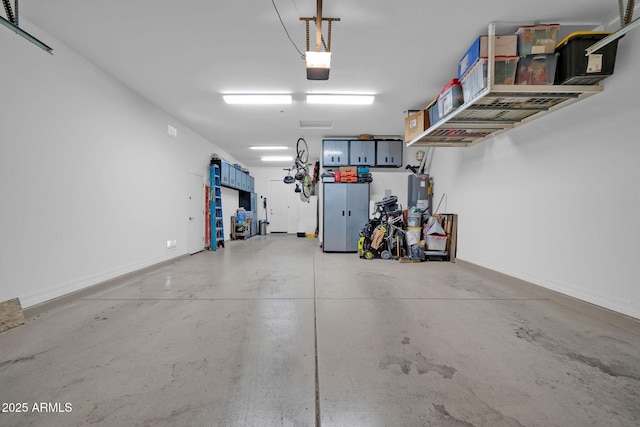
{"x":356,"y":152}
{"x":232,"y":177}
{"x":335,"y":152}
{"x":362,"y":153}
{"x":389,"y":153}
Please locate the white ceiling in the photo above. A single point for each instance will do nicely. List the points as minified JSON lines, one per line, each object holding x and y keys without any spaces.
{"x":182,"y":55}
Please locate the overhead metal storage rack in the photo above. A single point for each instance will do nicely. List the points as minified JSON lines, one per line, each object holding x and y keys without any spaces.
{"x":498,"y":108}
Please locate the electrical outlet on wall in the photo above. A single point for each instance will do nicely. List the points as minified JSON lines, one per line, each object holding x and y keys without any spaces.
{"x":171,"y":244}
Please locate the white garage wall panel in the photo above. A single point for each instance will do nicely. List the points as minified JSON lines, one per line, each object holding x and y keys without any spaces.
{"x":91,"y":184}
{"x":556,"y":201}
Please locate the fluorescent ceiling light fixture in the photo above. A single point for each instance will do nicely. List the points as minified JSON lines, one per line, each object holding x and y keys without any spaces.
{"x":318,"y":64}
{"x":339,"y":99}
{"x":257,"y":99}
{"x":277,"y":158}
{"x":268,"y":147}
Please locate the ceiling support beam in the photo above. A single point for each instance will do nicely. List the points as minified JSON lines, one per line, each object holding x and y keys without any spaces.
{"x":8,"y":11}
{"x":319,"y":26}
{"x":12,"y":23}
{"x":627,"y":23}
{"x":612,"y":37}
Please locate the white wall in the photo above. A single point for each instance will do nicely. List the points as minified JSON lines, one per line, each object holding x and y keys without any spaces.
{"x":556,"y":201}
{"x":299,"y":214}
{"x":91,"y":185}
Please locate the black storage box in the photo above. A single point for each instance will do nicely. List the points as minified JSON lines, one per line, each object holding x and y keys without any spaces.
{"x":574,"y":68}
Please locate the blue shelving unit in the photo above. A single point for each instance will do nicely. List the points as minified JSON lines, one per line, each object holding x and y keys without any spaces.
{"x":217,"y":225}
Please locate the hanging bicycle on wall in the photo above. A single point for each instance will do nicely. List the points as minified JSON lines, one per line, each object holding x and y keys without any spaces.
{"x":303,"y":180}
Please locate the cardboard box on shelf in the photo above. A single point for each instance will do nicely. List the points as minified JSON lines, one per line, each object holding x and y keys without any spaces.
{"x":415,"y":124}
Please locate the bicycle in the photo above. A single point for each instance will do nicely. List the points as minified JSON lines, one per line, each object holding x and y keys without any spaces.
{"x":302,"y":171}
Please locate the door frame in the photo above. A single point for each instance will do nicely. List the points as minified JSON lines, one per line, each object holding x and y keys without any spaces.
{"x":291,"y":210}
{"x":199,"y":215}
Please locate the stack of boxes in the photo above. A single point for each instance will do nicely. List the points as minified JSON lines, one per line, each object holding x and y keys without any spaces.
{"x":538,"y":60}
{"x":347,"y":174}
{"x":531,"y":56}
{"x":364,"y":175}
{"x":472,"y":68}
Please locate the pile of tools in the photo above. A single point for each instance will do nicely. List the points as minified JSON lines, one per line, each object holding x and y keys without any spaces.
{"x":384,"y":236}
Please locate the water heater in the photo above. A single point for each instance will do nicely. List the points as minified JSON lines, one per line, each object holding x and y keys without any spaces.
{"x":421,"y":192}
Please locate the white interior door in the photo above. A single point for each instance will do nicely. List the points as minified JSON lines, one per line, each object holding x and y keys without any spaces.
{"x":195,"y":232}
{"x":282,"y":206}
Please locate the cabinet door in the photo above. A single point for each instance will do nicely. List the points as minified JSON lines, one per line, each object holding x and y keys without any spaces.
{"x":389,"y":153}
{"x":335,"y":152}
{"x":362,"y":153}
{"x":232,"y":176}
{"x":357,"y":214}
{"x":245,"y":182}
{"x":395,"y":150}
{"x":252,"y":184}
{"x":238,"y":173}
{"x":224,"y":176}
{"x":335,"y":214}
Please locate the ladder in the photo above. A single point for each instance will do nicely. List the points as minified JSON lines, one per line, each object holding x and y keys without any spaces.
{"x":217,"y":226}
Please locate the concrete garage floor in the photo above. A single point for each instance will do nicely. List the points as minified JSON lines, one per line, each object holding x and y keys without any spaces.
{"x":272,"y":332}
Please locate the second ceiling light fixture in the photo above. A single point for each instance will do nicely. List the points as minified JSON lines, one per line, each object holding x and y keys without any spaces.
{"x":283,"y":98}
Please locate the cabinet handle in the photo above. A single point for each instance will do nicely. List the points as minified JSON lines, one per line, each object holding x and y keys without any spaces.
{"x":392,"y":160}
{"x":386,"y":159}
{"x":342,"y":213}
{"x":349,"y":213}
{"x":359,"y":159}
{"x":333,"y":159}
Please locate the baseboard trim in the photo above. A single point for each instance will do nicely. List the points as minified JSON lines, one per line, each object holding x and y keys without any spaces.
{"x":38,"y":309}
{"x":588,"y":308}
